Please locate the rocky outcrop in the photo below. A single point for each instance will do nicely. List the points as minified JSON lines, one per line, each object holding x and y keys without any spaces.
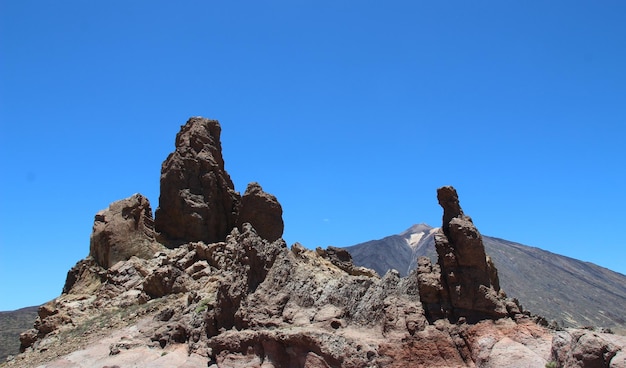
{"x":123,"y":230}
{"x":548,"y":284}
{"x":586,"y":348}
{"x":240,"y":299}
{"x":248,"y":302}
{"x":464,"y":283}
{"x":263,"y":211}
{"x":198,"y":201}
{"x":342,"y":259}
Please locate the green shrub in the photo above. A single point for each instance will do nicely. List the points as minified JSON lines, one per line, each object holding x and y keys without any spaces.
{"x":202,"y":305}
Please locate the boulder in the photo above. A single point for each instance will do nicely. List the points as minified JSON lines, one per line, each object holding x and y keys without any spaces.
{"x":585,"y":348}
{"x":123,"y":230}
{"x":262,"y":211}
{"x":198,"y":201}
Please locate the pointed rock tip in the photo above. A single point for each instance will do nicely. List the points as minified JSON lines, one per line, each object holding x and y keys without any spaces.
{"x":449,"y":201}
{"x":253,"y":187}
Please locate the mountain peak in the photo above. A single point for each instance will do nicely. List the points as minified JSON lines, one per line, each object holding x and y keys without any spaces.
{"x":417,"y":228}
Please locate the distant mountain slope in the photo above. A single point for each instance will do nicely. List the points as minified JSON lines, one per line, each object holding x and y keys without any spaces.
{"x":572,"y":292}
{"x":11,"y":325}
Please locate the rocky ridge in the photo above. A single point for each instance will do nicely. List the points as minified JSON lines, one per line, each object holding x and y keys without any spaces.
{"x":241,"y":298}
{"x":564,"y":290}
{"x":464,"y":283}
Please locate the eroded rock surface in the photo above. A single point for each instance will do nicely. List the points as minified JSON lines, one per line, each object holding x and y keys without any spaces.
{"x":249,"y":302}
{"x":198,"y":201}
{"x":464,"y":283}
{"x":123,"y":230}
{"x":263,"y":211}
{"x":231,"y":296}
{"x":586,"y":348}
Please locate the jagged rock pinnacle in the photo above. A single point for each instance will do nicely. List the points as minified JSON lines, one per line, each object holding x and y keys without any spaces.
{"x":449,"y":201}
{"x":464,"y":283}
{"x":263,"y":211}
{"x":198,"y":201}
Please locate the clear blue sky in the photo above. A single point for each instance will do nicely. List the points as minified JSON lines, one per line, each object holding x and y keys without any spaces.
{"x":351,"y":112}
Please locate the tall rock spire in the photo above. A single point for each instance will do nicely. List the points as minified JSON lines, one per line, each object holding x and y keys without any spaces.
{"x":198,"y":200}
{"x":464,"y":282}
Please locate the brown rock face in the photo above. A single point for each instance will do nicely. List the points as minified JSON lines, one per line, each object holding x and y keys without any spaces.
{"x":198,"y":201}
{"x":262,"y":211}
{"x":123,"y":230}
{"x":247,"y":301}
{"x":464,"y":283}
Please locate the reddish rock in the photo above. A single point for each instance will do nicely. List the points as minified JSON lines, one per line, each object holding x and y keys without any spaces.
{"x":49,"y":318}
{"x":262,"y":211}
{"x":198,"y":201}
{"x":588,"y":349}
{"x":246,"y":301}
{"x":165,"y":280}
{"x":123,"y":230}
{"x":468,"y":284}
{"x":27,"y":339}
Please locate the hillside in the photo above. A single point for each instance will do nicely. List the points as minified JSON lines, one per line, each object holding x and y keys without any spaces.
{"x":569,"y":291}
{"x":12,"y":323}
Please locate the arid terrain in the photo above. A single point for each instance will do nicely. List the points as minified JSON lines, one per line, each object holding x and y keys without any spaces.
{"x":210,"y":282}
{"x":567,"y":291}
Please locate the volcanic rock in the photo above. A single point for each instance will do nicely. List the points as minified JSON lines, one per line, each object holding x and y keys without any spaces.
{"x":548,"y":284}
{"x":262,"y":211}
{"x":198,"y":201}
{"x":342,"y":259}
{"x":123,"y":230}
{"x":586,"y":348}
{"x":237,"y":299}
{"x":465,"y":284}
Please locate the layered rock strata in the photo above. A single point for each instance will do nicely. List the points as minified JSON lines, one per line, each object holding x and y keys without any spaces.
{"x":123,"y":230}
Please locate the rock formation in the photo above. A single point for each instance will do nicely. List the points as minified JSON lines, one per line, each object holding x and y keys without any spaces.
{"x":246,"y":301}
{"x":262,"y":211}
{"x":198,"y":200}
{"x":587,"y":348}
{"x":123,"y":230}
{"x":464,"y":283}
{"x":548,"y":284}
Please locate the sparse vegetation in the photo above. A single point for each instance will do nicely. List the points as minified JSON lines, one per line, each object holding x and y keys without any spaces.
{"x":203,"y":305}
{"x":551,"y":364}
